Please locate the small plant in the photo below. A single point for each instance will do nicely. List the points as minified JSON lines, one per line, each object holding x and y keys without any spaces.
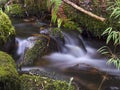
{"x":56,"y":4}
{"x":70,"y":83}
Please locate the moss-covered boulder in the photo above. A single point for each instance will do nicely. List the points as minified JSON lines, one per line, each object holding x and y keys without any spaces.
{"x":32,"y":82}
{"x":15,"y":10}
{"x":7,"y":33}
{"x":9,"y":79}
{"x":44,"y":45}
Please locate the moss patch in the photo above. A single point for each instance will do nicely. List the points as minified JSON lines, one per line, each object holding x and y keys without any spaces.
{"x":32,"y":82}
{"x":8,"y":73}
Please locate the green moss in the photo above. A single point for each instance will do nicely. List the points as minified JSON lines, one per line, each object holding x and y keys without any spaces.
{"x":15,"y":10}
{"x":8,"y":73}
{"x":58,"y":85}
{"x":6,"y":28}
{"x":32,"y":82}
{"x":38,"y":50}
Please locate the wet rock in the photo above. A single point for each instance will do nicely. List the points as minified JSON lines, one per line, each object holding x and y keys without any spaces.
{"x":48,"y":41}
{"x":44,"y":45}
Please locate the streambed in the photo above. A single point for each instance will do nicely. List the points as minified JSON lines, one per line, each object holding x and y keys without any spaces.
{"x":78,"y":58}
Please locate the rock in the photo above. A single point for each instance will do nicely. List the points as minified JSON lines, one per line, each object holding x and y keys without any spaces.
{"x":9,"y":79}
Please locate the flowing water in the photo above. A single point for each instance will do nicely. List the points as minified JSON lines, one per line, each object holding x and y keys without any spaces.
{"x":78,"y":58}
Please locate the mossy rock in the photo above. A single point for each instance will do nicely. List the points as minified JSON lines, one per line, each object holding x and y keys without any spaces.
{"x":7,"y":31}
{"x":33,"y":82}
{"x":9,"y":79}
{"x":43,"y":46}
{"x":15,"y":10}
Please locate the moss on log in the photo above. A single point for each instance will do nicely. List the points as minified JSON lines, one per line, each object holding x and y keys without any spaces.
{"x":85,"y":21}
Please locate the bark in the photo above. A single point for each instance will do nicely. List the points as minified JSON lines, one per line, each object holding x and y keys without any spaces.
{"x":84,"y":11}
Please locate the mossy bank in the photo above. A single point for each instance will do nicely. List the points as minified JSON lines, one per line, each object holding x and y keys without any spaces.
{"x":32,"y":82}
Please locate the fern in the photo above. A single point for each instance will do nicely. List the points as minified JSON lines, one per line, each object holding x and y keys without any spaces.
{"x":56,"y":4}
{"x":113,"y":58}
{"x":112,"y":35}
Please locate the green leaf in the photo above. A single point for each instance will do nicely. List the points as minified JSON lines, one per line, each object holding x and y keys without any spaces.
{"x":59,"y":22}
{"x":108,"y":30}
{"x":108,"y":38}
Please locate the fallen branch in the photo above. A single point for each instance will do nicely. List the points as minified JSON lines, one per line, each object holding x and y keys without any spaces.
{"x":84,"y":11}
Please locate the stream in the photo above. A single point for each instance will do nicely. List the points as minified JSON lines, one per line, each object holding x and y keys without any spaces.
{"x":78,"y":58}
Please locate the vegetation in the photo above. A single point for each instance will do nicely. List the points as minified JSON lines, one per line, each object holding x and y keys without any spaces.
{"x":32,"y":82}
{"x":113,"y":34}
{"x":59,"y":17}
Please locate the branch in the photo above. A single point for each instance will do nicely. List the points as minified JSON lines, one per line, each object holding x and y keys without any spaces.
{"x":84,"y":11}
